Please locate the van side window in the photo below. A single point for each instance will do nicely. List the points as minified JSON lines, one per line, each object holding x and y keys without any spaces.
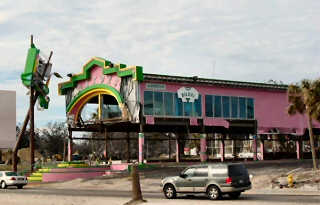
{"x":201,"y":171}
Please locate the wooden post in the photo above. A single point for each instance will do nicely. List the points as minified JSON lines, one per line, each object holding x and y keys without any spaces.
{"x":106,"y":145}
{"x":222,"y":150}
{"x":177,"y":148}
{"x":136,"y":189}
{"x":31,"y":114}
{"x":262,"y":150}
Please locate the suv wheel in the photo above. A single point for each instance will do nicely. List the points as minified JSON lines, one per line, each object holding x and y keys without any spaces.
{"x":213,"y":192}
{"x":169,"y":191}
{"x":234,"y":195}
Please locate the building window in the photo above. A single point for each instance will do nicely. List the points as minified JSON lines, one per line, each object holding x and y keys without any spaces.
{"x":168,"y":103}
{"x":198,"y":107}
{"x":226,"y":106}
{"x":177,"y":105}
{"x":158,"y":103}
{"x":250,"y":108}
{"x":242,"y":107}
{"x":148,"y":102}
{"x":209,"y":106}
{"x":187,"y":109}
{"x":229,"y":107}
{"x":234,"y":107}
{"x":217,"y":106}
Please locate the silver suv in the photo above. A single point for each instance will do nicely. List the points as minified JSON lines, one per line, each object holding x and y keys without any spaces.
{"x":214,"y":180}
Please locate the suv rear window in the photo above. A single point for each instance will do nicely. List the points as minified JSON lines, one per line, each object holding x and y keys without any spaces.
{"x":237,"y":170}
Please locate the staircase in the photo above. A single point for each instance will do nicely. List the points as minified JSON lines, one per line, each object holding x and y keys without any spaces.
{"x":37,"y":176}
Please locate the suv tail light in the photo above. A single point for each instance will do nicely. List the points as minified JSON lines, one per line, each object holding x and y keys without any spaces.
{"x":12,"y":178}
{"x":228,"y":180}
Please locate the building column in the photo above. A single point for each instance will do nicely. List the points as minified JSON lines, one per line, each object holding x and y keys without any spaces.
{"x":70,"y":147}
{"x":234,"y":148}
{"x":222,"y":150}
{"x":128,"y":147}
{"x":203,"y":148}
{"x":177,"y":149}
{"x":262,"y":150}
{"x":141,"y":147}
{"x":106,"y":145}
{"x":254,"y":139}
{"x":298,"y":148}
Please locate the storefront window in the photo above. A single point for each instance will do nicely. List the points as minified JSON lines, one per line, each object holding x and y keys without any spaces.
{"x":168,"y":103}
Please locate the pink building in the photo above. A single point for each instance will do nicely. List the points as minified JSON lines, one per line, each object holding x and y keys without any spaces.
{"x":128,"y":100}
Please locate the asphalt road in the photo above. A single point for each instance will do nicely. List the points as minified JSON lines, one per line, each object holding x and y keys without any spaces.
{"x":109,"y":193}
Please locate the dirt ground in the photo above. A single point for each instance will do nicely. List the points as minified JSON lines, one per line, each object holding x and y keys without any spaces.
{"x":266,"y":176}
{"x":265,"y":173}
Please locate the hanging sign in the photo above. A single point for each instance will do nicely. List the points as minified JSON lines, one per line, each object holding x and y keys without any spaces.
{"x":155,"y":86}
{"x":188,"y":94}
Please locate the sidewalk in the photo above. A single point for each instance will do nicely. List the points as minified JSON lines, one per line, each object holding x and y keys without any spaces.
{"x":312,"y":191}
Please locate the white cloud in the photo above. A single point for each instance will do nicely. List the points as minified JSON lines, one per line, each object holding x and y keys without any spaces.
{"x":249,"y":40}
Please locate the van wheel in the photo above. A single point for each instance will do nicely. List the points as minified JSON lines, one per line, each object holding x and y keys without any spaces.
{"x":214,"y":192}
{"x":170,"y":191}
{"x":234,"y":195}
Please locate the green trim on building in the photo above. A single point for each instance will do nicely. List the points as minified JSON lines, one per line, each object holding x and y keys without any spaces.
{"x":94,"y":87}
{"x":135,"y":71}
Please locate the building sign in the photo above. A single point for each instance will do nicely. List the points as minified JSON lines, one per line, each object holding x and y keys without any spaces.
{"x":155,"y":86}
{"x":188,"y":94}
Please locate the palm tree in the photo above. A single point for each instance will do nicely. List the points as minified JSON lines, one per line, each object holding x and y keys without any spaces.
{"x":305,"y":98}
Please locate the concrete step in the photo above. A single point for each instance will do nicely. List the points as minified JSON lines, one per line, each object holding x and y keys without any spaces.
{"x":36,"y":174}
{"x":35,"y":178}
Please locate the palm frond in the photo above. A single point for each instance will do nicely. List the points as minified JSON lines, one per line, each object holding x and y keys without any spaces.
{"x":306,"y":84}
{"x":291,"y":110}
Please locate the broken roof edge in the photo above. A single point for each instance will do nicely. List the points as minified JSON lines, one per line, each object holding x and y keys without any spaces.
{"x":218,"y":82}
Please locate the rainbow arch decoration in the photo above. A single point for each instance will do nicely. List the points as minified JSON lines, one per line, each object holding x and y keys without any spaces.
{"x":98,"y":77}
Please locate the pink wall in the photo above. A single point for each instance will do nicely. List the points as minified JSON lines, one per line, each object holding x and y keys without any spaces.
{"x":122,"y":166}
{"x":75,"y":169}
{"x":49,"y":177}
{"x":270,"y":105}
{"x":97,"y":77}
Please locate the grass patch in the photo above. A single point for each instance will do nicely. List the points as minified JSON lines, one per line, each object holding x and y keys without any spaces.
{"x":21,"y":167}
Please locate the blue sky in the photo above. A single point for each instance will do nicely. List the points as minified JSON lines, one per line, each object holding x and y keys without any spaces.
{"x":252,"y":40}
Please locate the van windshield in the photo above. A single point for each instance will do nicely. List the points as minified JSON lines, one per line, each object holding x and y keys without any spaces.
{"x":237,"y":170}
